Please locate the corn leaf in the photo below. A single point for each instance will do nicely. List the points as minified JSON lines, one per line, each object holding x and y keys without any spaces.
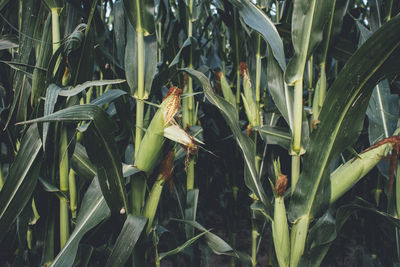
{"x":342,"y":116}
{"x":182,"y":247}
{"x":20,"y":83}
{"x":21,"y":180}
{"x":260,"y":22}
{"x":81,"y":164}
{"x":280,"y":93}
{"x":308,"y":22}
{"x":42,"y":63}
{"x":93,"y":210}
{"x":8,"y":41}
{"x":71,"y":91}
{"x":382,"y":110}
{"x":217,"y":244}
{"x":107,"y":97}
{"x":275,"y":135}
{"x":126,"y":240}
{"x":54,"y":3}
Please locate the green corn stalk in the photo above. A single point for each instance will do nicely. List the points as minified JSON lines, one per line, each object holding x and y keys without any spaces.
{"x":73,"y":196}
{"x":64,"y":185}
{"x":188,"y":105}
{"x":56,"y":8}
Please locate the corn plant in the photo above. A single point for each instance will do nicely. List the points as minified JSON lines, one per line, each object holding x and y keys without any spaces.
{"x":135,"y":131}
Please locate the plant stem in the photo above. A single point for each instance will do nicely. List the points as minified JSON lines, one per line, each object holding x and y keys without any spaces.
{"x":298,"y":114}
{"x":159,"y":39}
{"x":278,"y":15}
{"x":295,"y":170}
{"x":254,"y":236}
{"x":138,"y":184}
{"x":188,"y":114}
{"x":55,"y":28}
{"x":258,"y":77}
{"x":310,"y":80}
{"x":73,"y":199}
{"x":64,"y":183}
{"x":140,"y":92}
{"x":190,"y":175}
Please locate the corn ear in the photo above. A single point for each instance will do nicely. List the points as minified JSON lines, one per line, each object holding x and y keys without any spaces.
{"x":226,"y":89}
{"x":280,"y":232}
{"x":347,"y":175}
{"x":153,"y":140}
{"x":249,"y":100}
{"x":280,"y":227}
{"x":298,"y":239}
{"x":153,"y":199}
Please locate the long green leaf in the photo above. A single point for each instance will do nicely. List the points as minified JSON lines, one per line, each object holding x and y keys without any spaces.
{"x":342,"y":116}
{"x":382,"y":110}
{"x":260,"y":22}
{"x":49,"y":104}
{"x":54,"y":3}
{"x":126,"y":240}
{"x":107,"y":97}
{"x":71,"y":91}
{"x":42,"y":63}
{"x":22,"y":88}
{"x":275,"y":135}
{"x":181,"y":247}
{"x":93,"y":210}
{"x":8,"y":41}
{"x":21,"y":180}
{"x":81,"y":164}
{"x":217,"y":244}
{"x":282,"y":96}
{"x":230,"y":115}
{"x":308,"y":20}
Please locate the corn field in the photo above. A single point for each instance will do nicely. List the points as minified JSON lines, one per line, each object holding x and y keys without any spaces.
{"x":199,"y":133}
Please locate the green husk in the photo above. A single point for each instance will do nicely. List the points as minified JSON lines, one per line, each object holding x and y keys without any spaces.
{"x":347,"y":175}
{"x":151,"y":145}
